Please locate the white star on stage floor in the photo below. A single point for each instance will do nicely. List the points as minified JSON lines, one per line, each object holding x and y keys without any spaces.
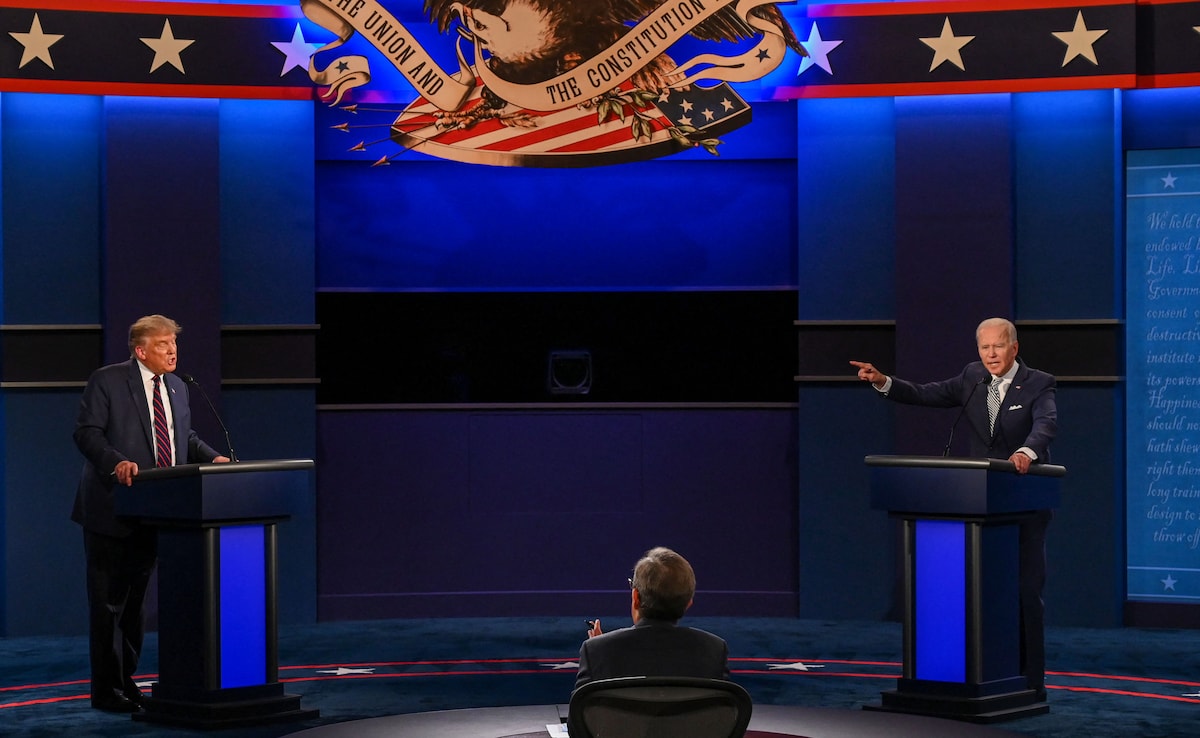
{"x":818,"y":51}
{"x":36,"y":43}
{"x":563,"y":665}
{"x":1079,"y":41}
{"x":167,"y":48}
{"x":343,"y":671}
{"x":947,"y":47}
{"x":297,"y":51}
{"x":795,"y":666}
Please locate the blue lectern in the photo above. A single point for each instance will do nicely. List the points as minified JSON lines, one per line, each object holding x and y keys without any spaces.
{"x":217,"y":632}
{"x":962,"y":630}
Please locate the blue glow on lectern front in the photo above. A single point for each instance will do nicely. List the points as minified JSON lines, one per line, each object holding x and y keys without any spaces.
{"x":941,"y":600}
{"x":243,"y":606}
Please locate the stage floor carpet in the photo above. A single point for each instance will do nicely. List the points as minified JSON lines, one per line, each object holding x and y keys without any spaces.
{"x":768,"y":721}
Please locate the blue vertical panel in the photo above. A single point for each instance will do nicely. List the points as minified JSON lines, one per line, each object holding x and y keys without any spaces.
{"x":49,"y":232}
{"x":243,"y":606}
{"x":845,"y":168}
{"x":268,"y":212}
{"x":1065,"y":180}
{"x":51,"y":208}
{"x":941,"y":600}
{"x":162,"y":211}
{"x":954,"y":242}
{"x":268,"y":267}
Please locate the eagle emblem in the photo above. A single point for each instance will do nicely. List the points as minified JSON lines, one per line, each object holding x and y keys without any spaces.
{"x":564,"y":82}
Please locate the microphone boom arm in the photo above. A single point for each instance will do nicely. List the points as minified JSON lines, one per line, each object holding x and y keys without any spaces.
{"x":228,"y":442}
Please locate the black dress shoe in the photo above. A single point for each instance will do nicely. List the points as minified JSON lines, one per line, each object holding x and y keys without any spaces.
{"x":116,"y":703}
{"x":134,"y":695}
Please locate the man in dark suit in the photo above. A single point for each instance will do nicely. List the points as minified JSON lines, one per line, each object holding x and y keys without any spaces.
{"x":662,"y":588}
{"x":116,"y":433}
{"x":1025,"y":422}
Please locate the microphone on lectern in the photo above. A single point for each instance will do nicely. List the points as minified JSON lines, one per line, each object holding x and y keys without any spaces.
{"x":192,"y":381}
{"x":946,"y":451}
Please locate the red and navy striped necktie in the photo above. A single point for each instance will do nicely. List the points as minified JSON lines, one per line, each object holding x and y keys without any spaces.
{"x":162,"y":433}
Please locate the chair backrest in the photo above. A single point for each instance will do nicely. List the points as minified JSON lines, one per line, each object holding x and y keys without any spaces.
{"x":659,"y":707}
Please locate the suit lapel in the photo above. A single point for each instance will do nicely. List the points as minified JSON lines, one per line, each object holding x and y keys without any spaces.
{"x":170,"y":391}
{"x":137,"y":391}
{"x":1014,"y":394}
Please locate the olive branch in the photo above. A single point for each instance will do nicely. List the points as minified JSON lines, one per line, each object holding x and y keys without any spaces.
{"x":641,"y":125}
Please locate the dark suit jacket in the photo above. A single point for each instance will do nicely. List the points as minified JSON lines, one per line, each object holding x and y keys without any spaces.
{"x":114,"y":425}
{"x":1028,"y":415}
{"x":653,"y":648}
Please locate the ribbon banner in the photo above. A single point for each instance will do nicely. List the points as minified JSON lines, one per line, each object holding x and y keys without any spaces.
{"x":604,"y":72}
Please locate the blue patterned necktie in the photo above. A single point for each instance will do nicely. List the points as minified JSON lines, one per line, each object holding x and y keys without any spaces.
{"x":993,"y":403}
{"x":162,"y":434}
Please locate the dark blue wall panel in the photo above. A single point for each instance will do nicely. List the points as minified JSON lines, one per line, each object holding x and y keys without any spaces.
{"x":268,"y":212}
{"x":954,"y":242}
{"x":1086,"y":540}
{"x":654,"y":225}
{"x":44,"y":579}
{"x":52,"y":208}
{"x":280,"y":423}
{"x":162,"y":226}
{"x":846,"y":176}
{"x":458,"y":513}
{"x":1161,"y":119}
{"x":846,"y":548}
{"x":1066,"y":175}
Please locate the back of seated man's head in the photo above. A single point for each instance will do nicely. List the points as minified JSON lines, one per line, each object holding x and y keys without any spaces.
{"x":665,"y":584}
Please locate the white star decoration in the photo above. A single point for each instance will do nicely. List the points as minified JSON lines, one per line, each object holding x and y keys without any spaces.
{"x":1169,"y":181}
{"x":1169,"y":583}
{"x":343,"y":671}
{"x":167,"y":48}
{"x":818,"y":51}
{"x":297,"y":51}
{"x":947,"y":47}
{"x":1079,"y":41}
{"x":563,"y":665}
{"x":796,"y":666}
{"x":37,"y":44}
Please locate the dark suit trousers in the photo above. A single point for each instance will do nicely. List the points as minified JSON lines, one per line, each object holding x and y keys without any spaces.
{"x":118,"y":573}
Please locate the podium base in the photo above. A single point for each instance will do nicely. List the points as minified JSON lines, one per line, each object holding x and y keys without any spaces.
{"x":989,"y":709}
{"x":224,"y":713}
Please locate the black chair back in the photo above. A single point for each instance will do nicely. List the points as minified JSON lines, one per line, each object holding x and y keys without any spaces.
{"x":659,"y":707}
